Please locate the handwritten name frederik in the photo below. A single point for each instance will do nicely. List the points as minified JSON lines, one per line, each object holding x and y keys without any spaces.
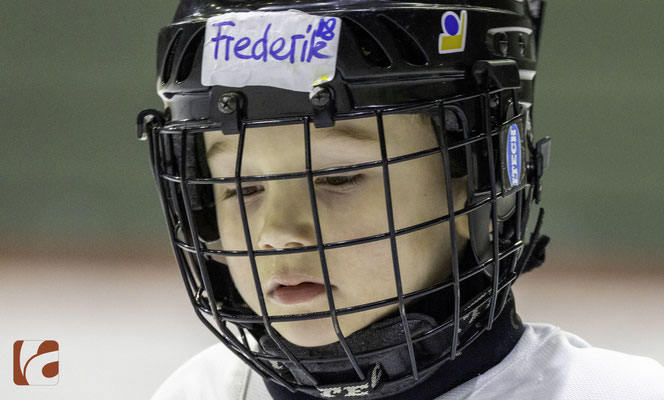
{"x":304,"y":46}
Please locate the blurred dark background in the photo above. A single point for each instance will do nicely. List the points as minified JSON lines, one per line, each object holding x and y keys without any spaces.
{"x":81,"y":220}
{"x":75,"y":73}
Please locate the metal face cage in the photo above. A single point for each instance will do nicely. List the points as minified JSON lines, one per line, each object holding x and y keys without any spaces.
{"x":499,"y":252}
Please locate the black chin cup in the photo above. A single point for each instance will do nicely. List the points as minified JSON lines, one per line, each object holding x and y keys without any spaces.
{"x":381,"y":350}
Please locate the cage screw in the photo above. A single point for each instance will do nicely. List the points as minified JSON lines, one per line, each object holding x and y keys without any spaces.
{"x":321,"y":97}
{"x":502,"y":43}
{"x":227,"y":103}
{"x":493,"y":101}
{"x":522,"y":44}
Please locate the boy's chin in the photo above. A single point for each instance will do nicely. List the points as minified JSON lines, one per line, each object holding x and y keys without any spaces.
{"x":320,"y":332}
{"x":311,"y":333}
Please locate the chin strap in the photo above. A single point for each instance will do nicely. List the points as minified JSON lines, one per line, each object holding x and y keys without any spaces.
{"x":388,"y":372}
{"x":337,"y":380}
{"x":380,"y":349}
{"x":536,"y":248}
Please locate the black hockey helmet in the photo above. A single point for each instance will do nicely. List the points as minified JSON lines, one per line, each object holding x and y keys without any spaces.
{"x":470,"y":65}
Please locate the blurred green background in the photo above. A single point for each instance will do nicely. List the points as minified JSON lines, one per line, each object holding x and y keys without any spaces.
{"x":74,"y":74}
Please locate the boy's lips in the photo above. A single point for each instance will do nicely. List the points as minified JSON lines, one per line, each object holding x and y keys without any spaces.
{"x":294,"y":288}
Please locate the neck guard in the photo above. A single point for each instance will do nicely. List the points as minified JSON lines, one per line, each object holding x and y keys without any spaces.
{"x":383,"y":356}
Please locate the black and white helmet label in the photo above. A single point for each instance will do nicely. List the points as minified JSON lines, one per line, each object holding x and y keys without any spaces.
{"x":354,"y":390}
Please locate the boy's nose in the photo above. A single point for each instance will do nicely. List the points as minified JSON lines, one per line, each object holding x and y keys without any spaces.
{"x":287,"y":217}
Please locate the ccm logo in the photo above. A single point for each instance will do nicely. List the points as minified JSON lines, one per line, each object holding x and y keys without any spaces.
{"x":36,"y":362}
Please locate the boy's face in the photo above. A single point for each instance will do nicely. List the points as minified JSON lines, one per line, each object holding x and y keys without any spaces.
{"x":350,"y":205}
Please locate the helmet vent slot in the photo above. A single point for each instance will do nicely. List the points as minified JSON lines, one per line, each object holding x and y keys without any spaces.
{"x":187,"y":61}
{"x":410,"y":49}
{"x":168,"y":61}
{"x":372,"y":51}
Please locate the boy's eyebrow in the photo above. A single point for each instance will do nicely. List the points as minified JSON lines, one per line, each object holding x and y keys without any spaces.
{"x":337,"y":134}
{"x":340,"y":132}
{"x":218,"y":148}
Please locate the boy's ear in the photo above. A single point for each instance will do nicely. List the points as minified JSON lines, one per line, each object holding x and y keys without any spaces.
{"x":461,"y":224}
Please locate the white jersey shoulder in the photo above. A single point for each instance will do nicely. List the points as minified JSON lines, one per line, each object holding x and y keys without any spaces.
{"x":213,"y":374}
{"x":547,"y":363}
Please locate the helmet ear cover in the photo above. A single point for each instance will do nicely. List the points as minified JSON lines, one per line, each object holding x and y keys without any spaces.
{"x":186,"y":153}
{"x":503,"y":105}
{"x":201,"y":196}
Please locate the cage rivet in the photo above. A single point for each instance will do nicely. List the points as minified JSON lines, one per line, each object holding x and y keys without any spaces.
{"x":522,"y":44}
{"x":494,"y":100}
{"x":502,"y":43}
{"x":227,"y":103}
{"x":321,"y":97}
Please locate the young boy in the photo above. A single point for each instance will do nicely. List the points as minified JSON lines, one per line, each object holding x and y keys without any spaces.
{"x":347,"y":187}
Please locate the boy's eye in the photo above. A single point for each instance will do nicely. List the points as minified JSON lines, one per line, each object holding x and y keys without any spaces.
{"x":336,"y":182}
{"x":247,"y":191}
{"x":344,"y":182}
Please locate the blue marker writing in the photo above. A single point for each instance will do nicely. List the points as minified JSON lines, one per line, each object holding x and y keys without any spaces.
{"x":221,"y":37}
{"x":240,"y":45}
{"x":275,"y":53}
{"x":324,"y":31}
{"x":310,"y":44}
{"x":304,"y":47}
{"x":263,"y":43}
